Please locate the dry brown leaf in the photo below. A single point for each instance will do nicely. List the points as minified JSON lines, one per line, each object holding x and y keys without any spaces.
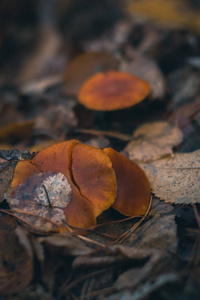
{"x":55,"y":122}
{"x":6,"y":174}
{"x":153,"y":140}
{"x":176,"y":179}
{"x":133,"y":277}
{"x":16,"y":131}
{"x":114,"y":254}
{"x":172,"y":13}
{"x":16,"y":257}
{"x":65,"y":245}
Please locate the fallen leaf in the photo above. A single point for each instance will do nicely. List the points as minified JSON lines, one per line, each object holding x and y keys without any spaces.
{"x":17,"y":131}
{"x":176,"y":179}
{"x":32,"y":292}
{"x":6,"y":174}
{"x":149,"y":71}
{"x":158,"y":233}
{"x":37,"y":87}
{"x":153,"y":140}
{"x":171,"y":13}
{"x":184,"y":115}
{"x":142,"y":292}
{"x":98,"y":142}
{"x":16,"y":257}
{"x":183,"y":85}
{"x":114,"y":254}
{"x":133,"y":277}
{"x":55,"y":122}
{"x":38,"y":62}
{"x":65,"y":245}
{"x":84,"y":66}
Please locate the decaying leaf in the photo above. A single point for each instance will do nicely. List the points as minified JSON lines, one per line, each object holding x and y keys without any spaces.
{"x":16,"y":257}
{"x":6,"y":174}
{"x":176,"y":179}
{"x":153,"y":140}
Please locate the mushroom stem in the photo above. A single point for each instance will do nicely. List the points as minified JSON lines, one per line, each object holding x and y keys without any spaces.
{"x":101,"y":120}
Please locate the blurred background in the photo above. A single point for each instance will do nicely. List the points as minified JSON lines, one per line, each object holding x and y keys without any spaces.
{"x":49,"y":28}
{"x":41,"y":70}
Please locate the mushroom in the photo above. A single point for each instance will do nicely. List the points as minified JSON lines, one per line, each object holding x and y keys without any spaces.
{"x":39,"y":185}
{"x":83,"y":67}
{"x":112,"y":90}
{"x":73,"y":183}
{"x":133,"y":188}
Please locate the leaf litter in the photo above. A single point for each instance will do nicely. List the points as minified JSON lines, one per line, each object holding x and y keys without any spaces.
{"x":133,"y":258}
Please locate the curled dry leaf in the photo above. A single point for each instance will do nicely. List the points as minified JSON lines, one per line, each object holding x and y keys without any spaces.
{"x":112,"y":90}
{"x":16,"y":131}
{"x":176,"y":179}
{"x":72,"y":183}
{"x":153,"y":140}
{"x":16,"y":258}
{"x":84,"y":66}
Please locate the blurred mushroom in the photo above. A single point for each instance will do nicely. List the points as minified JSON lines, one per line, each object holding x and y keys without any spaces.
{"x":112,"y":90}
{"x":83,"y":67}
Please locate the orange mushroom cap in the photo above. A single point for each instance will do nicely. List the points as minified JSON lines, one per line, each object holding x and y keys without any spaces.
{"x":88,"y":171}
{"x":112,"y":90}
{"x":133,"y":193}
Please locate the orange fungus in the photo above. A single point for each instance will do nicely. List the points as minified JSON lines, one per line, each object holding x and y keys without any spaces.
{"x":112,"y":91}
{"x":133,"y":193}
{"x":39,"y":185}
{"x":72,"y":183}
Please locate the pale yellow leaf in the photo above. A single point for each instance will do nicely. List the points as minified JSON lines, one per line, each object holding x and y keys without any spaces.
{"x":176,"y":179}
{"x":153,"y":140}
